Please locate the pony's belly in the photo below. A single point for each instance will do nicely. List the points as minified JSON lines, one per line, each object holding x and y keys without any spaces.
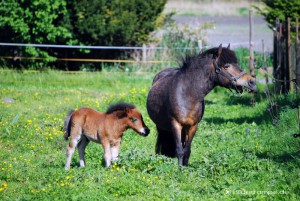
{"x":94,"y":137}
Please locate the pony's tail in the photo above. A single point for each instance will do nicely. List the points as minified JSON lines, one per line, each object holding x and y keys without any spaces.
{"x":165,"y":143}
{"x":67,"y":125}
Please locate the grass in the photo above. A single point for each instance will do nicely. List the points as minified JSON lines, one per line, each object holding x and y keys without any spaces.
{"x":237,"y":152}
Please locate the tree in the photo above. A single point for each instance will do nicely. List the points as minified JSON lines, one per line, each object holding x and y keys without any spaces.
{"x":37,"y":22}
{"x":85,"y":22}
{"x":114,"y":22}
{"x":279,"y":9}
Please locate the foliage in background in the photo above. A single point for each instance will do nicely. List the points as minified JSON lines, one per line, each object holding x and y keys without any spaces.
{"x":97,"y":22}
{"x":280,"y":9}
{"x":37,"y":22}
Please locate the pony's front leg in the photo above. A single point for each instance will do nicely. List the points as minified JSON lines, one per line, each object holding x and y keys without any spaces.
{"x":176,"y":130}
{"x":187,"y":149}
{"x":115,"y":150}
{"x":107,"y":153}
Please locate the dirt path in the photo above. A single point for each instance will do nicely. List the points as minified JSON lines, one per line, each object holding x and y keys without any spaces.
{"x":233,"y":30}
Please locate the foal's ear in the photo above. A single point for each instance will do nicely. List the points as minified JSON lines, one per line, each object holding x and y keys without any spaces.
{"x":121,"y":114}
{"x":228,"y":47}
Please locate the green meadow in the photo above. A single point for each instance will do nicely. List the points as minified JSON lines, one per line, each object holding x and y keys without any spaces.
{"x":238,"y":152}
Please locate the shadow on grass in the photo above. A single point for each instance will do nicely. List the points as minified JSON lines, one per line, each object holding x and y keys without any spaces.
{"x":280,"y":158}
{"x":262,"y":119}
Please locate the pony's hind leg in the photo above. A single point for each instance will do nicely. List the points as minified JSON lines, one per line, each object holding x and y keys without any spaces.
{"x":81,"y":149}
{"x":70,"y":150}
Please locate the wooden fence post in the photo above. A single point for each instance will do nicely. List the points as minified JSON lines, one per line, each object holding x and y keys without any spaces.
{"x":251,"y":56}
{"x":289,"y":66}
{"x":144,"y":53}
{"x":297,"y":57}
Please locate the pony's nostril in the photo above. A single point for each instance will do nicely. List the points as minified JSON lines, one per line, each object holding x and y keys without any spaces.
{"x":251,"y":83}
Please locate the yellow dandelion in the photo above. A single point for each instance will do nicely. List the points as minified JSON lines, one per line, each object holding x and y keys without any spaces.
{"x":68,"y":177}
{"x":62,"y":184}
{"x":107,"y":181}
{"x":4,"y":185}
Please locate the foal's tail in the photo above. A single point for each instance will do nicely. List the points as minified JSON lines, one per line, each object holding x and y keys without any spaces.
{"x":67,"y":125}
{"x":165,"y":143}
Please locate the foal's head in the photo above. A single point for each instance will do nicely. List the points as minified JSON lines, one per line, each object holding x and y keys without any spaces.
{"x":229,"y":73}
{"x":132,"y":116}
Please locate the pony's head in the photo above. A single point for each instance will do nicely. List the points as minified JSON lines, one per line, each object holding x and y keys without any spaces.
{"x":132,"y":116}
{"x":229,"y":74}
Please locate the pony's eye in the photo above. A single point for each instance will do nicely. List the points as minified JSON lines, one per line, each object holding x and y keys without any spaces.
{"x":226,"y":66}
{"x":133,"y":119}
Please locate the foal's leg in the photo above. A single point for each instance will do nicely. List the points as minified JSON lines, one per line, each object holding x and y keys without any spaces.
{"x":176,"y":130}
{"x":115,"y":151}
{"x":70,"y":150}
{"x":107,"y":153}
{"x":81,"y":149}
{"x":187,"y":149}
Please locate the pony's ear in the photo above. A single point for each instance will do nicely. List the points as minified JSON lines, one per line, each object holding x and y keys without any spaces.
{"x":228,"y":47}
{"x":219,"y":52}
{"x":121,"y":114}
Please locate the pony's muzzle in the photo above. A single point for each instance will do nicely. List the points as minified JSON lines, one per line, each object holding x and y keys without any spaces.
{"x":145,"y":131}
{"x":252,"y":85}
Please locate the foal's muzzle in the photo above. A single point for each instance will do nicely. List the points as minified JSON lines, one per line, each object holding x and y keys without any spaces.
{"x":145,"y":131}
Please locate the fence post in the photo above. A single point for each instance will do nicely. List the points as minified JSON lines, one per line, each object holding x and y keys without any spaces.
{"x":144,"y":53}
{"x":297,"y":57}
{"x":288,"y":67}
{"x":265,"y":62}
{"x":200,"y":45}
{"x":251,"y":57}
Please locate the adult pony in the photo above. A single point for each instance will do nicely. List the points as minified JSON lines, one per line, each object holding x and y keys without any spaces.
{"x":85,"y":125}
{"x":175,"y":101}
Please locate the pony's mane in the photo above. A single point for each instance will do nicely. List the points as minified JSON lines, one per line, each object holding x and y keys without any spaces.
{"x":119,"y":106}
{"x":194,"y":61}
{"x":227,"y":55}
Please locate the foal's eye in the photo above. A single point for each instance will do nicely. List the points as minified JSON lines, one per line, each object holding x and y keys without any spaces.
{"x":133,"y":119}
{"x":226,"y":66}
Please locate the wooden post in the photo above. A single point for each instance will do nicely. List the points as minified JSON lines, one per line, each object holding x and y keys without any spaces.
{"x":200,"y":45}
{"x":251,"y":57}
{"x":264,"y":62}
{"x":282,"y":59}
{"x":144,"y":53}
{"x":275,"y":49}
{"x":297,"y":57}
{"x":288,"y":69}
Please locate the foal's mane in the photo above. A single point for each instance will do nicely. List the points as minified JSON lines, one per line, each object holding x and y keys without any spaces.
{"x":119,"y":106}
{"x":194,"y":61}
